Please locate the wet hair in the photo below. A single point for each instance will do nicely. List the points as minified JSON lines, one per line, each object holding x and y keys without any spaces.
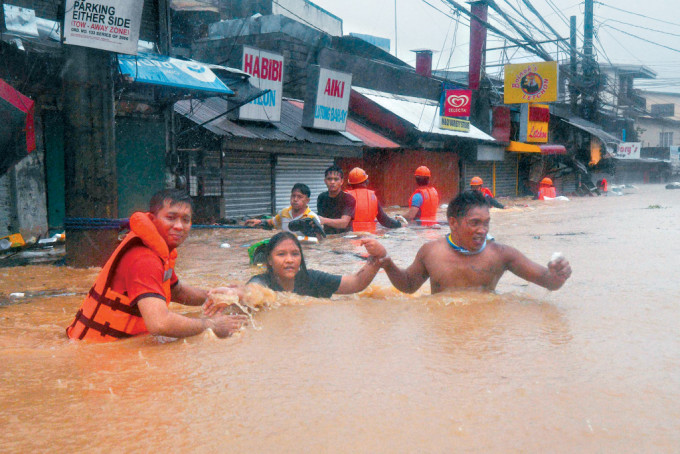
{"x":422,"y":181}
{"x":334,"y":169}
{"x":275,"y":241}
{"x":303,"y":188}
{"x":172,"y":196}
{"x":463,"y":202}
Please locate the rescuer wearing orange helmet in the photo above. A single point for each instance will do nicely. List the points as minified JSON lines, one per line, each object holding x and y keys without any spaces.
{"x":132,"y":292}
{"x":367,"y":208}
{"x":424,"y":201}
{"x":476,"y":185}
{"x":546,"y":189}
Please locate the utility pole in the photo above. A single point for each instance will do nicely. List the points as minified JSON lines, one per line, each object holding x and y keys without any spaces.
{"x":481,"y":104}
{"x":590,"y":92}
{"x":573,"y":66}
{"x":395,"y":29}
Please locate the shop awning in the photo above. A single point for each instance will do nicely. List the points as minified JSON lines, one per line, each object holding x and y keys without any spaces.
{"x":171,"y":72}
{"x":422,"y":113}
{"x":593,"y":129}
{"x":544,"y":149}
{"x":17,"y":129}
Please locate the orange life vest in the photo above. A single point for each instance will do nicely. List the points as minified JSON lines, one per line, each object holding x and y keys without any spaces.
{"x":106,"y":315}
{"x":486,"y":192}
{"x":546,"y":191}
{"x":366,"y":210}
{"x":428,"y":210}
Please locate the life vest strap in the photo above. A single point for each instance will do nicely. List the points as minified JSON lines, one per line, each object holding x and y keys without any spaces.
{"x":104,"y":330}
{"x":116,"y":304}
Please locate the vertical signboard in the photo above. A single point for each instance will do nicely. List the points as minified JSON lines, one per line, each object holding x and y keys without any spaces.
{"x":111,"y":25}
{"x":530,"y":82}
{"x":327,"y":99}
{"x":266,"y":73}
{"x":534,"y":122}
{"x":455,"y":108}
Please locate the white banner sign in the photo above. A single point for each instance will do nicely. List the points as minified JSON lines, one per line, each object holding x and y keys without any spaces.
{"x":331,"y":105}
{"x":111,"y":25}
{"x":266,"y":72}
{"x":628,"y":150}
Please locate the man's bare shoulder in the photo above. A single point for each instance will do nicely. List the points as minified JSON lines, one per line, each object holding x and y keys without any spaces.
{"x":432,"y":247}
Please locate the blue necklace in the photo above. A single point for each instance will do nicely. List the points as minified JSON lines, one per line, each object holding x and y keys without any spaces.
{"x":462,"y":250}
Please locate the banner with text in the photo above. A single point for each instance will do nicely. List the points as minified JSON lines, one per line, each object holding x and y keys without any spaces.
{"x":530,"y":82}
{"x":455,"y":108}
{"x":327,"y":100}
{"x":628,"y":150}
{"x":111,"y":25}
{"x":266,"y":73}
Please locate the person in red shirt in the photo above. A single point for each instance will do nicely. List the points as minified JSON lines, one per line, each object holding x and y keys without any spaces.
{"x":476,"y":185}
{"x":131,"y":294}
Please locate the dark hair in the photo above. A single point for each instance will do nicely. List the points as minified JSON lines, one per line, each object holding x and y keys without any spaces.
{"x":172,"y":196}
{"x":303,"y":188}
{"x":461,"y":204}
{"x":422,"y":181}
{"x":334,"y":169}
{"x":274,"y":241}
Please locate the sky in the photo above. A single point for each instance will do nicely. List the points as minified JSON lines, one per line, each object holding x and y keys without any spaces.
{"x":620,"y":30}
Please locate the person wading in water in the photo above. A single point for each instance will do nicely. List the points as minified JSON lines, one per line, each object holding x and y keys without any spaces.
{"x":466,"y":259}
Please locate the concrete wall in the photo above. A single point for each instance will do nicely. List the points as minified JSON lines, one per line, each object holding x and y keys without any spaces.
{"x":7,"y":220}
{"x":652,"y":129}
{"x":313,"y":15}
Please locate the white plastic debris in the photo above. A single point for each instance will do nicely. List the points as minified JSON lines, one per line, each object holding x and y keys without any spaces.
{"x":225,"y":245}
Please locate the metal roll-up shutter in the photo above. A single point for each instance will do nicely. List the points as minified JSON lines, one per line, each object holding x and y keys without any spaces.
{"x":247,"y":184}
{"x":506,"y":174}
{"x":297,"y":169}
{"x":5,"y":205}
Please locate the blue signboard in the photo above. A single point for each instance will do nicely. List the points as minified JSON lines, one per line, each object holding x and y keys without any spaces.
{"x":171,"y":72}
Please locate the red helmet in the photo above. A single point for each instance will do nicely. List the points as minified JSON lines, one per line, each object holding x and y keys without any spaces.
{"x":547,"y":181}
{"x":423,"y":171}
{"x":476,"y":181}
{"x":357,"y":176}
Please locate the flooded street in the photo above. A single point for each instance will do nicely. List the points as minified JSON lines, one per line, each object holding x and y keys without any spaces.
{"x":592,"y":367}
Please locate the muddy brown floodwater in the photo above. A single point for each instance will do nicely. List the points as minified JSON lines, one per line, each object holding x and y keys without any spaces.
{"x":593,"y":367}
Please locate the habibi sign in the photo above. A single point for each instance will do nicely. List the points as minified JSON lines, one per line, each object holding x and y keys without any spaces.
{"x":266,"y":73}
{"x":455,"y":108}
{"x":530,"y":82}
{"x":111,"y":25}
{"x":327,"y":100}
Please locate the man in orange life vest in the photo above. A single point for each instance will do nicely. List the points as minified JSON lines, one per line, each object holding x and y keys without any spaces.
{"x":476,"y":185}
{"x":367,"y":207}
{"x":424,"y":202}
{"x":546,"y":189}
{"x":132,"y":292}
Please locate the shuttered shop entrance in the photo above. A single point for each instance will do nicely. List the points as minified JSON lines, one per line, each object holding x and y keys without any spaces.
{"x":506,"y":174}
{"x":247,"y":184}
{"x":299,"y":169}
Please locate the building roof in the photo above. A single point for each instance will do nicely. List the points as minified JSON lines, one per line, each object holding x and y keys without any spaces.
{"x":636,"y":71}
{"x":289,"y":129}
{"x":423,"y":114}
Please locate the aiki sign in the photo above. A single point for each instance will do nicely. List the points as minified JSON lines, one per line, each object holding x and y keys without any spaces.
{"x":457,"y":103}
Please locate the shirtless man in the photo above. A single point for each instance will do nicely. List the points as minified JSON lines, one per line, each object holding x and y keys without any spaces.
{"x":464,"y":259}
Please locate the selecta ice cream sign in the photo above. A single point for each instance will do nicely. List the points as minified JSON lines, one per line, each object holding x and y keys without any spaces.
{"x":266,"y":72}
{"x":327,"y":101}
{"x":457,"y":103}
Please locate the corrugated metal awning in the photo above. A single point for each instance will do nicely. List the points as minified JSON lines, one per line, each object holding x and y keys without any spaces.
{"x":592,"y":129}
{"x":369,"y":137}
{"x":289,"y":129}
{"x":422,"y":113}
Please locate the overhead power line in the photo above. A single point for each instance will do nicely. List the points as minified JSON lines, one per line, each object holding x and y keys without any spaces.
{"x":640,"y":26}
{"x":640,"y":38}
{"x":637,"y":14}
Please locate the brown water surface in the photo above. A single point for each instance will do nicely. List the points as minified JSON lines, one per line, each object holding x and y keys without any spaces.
{"x":593,"y":367}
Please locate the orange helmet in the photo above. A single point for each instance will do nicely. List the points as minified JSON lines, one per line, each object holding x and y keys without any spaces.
{"x":423,"y":171}
{"x":476,"y":181}
{"x":357,"y":176}
{"x":547,"y":181}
